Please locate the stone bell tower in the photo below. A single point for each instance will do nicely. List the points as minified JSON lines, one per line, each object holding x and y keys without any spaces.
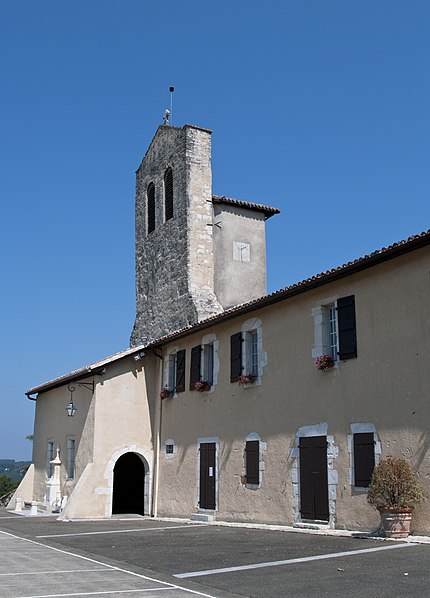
{"x":174,"y":233}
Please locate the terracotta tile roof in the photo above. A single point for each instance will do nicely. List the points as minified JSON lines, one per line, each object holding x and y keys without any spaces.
{"x":361,"y":263}
{"x":258,"y":207}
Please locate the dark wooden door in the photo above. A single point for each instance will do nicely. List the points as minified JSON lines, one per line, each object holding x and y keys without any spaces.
{"x":207,"y":475}
{"x":313,"y":478}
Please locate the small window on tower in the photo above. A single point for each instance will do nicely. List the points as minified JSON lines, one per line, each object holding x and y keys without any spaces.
{"x":168,"y":194}
{"x":151,"y":207}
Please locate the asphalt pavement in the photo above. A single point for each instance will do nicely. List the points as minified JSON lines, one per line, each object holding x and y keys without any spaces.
{"x":43,"y":557}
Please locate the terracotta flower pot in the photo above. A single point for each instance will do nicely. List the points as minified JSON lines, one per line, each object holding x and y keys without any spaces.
{"x":396,"y":521}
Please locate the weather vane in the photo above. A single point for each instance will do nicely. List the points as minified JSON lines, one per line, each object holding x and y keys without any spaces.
{"x":168,"y":114}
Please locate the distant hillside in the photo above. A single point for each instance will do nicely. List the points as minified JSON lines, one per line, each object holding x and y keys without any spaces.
{"x":13,"y":469}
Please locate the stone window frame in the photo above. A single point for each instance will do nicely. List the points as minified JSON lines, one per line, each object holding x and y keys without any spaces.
{"x":210,"y":339}
{"x":50,"y":456}
{"x":249,"y":326}
{"x":169,"y":442}
{"x":169,"y":365}
{"x":70,"y":461}
{"x":254,"y":436}
{"x":321,"y":316}
{"x":357,"y":428}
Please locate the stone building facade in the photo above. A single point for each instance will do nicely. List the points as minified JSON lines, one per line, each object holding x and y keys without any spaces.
{"x":226,"y":414}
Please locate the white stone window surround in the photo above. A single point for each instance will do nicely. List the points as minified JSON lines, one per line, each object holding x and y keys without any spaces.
{"x":169,"y":370}
{"x":169,"y":442}
{"x":319,"y":429}
{"x":262,"y":464}
{"x":71,"y":458}
{"x":251,"y":325}
{"x":210,"y":339}
{"x":204,"y":440}
{"x":320,"y":314}
{"x":357,"y":429}
{"x":50,"y":455}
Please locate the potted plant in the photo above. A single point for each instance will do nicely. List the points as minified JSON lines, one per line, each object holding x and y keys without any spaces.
{"x":202,"y":385}
{"x":324,"y":362}
{"x":166,"y":393}
{"x":394,"y":489}
{"x":247,"y":379}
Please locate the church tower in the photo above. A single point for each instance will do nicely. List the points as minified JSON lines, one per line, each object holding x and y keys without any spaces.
{"x":174,"y":236}
{"x":197,"y":254}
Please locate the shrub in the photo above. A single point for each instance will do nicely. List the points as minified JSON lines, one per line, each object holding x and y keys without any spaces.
{"x":394,"y":484}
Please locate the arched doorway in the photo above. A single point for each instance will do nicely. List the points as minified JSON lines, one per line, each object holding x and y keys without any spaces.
{"x":129,"y":485}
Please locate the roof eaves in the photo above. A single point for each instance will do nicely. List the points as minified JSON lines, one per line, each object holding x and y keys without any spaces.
{"x":268,"y":211}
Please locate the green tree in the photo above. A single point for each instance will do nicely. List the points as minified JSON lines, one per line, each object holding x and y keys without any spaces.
{"x":7,"y":485}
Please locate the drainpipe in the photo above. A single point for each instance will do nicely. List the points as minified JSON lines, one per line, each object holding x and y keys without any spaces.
{"x":156,"y":466}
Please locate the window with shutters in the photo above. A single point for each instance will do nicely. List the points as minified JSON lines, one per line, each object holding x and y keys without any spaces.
{"x":70,"y":458}
{"x":247,"y":357}
{"x":50,"y":457}
{"x":204,"y":362}
{"x":364,"y":449}
{"x":150,"y":207}
{"x":254,"y":465}
{"x":252,"y":462}
{"x":364,"y":458}
{"x":168,"y":194}
{"x":174,"y":373}
{"x":335,"y":329}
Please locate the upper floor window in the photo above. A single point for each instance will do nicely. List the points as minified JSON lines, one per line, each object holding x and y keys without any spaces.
{"x":174,"y":375}
{"x":247,"y":357}
{"x":335,"y":329}
{"x":204,"y":363}
{"x":70,"y":458}
{"x":168,"y":194}
{"x":150,"y":194}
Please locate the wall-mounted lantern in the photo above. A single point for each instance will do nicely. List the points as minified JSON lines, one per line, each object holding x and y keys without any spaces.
{"x":71,"y":409}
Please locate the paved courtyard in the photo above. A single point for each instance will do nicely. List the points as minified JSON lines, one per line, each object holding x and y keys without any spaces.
{"x":41,"y":557}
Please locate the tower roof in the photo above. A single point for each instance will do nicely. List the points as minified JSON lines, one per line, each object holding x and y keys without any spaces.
{"x":257,"y":207}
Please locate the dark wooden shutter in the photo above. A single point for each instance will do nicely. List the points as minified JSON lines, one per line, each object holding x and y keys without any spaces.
{"x":346,"y":327}
{"x":180,"y":371}
{"x":252,"y":461}
{"x":235,"y":356}
{"x":195,"y":365}
{"x":168,"y":194}
{"x":364,"y":458}
{"x":151,"y":207}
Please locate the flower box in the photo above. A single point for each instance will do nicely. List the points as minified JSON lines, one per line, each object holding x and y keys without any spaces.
{"x":324,"y":362}
{"x":247,"y":379}
{"x":202,"y":385}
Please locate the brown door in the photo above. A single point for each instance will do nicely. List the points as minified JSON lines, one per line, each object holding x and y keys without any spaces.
{"x":313,"y":478}
{"x":207,"y":475}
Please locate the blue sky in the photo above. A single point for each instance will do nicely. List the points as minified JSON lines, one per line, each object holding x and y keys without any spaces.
{"x":318,"y":107}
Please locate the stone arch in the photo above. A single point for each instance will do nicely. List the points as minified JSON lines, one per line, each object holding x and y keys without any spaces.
{"x":124,"y":463}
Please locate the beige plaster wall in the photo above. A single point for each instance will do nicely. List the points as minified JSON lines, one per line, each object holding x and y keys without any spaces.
{"x":115,"y":420}
{"x":386,"y":386}
{"x":239,"y":281}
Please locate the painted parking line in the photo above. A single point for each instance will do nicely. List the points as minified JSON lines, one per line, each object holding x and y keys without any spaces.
{"x":56,"y":571}
{"x":101,"y":593}
{"x":118,"y":531}
{"x":319,"y":557}
{"x":104,"y":568}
